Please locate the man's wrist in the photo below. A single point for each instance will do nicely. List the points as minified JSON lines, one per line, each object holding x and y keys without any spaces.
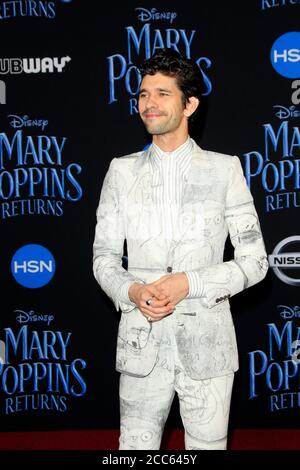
{"x":186,"y":284}
{"x":132,"y":291}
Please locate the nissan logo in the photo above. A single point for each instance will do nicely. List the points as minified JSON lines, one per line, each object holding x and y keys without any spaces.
{"x":282,"y":259}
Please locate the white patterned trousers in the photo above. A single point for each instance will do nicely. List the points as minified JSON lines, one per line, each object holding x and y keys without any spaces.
{"x":145,"y":403}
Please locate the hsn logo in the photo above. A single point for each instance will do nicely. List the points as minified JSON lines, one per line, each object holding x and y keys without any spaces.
{"x":33,"y":266}
{"x":285,"y":55}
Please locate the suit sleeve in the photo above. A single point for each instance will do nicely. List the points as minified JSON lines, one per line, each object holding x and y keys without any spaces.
{"x":217,"y":283}
{"x":109,"y":242}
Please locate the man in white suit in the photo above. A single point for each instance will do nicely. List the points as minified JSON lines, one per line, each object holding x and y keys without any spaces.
{"x":175,"y":205}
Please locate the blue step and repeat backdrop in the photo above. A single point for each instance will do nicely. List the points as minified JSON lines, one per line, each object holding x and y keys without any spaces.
{"x":68,"y":89}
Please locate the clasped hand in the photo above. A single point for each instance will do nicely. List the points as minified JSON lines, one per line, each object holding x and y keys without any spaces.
{"x":165,"y":294}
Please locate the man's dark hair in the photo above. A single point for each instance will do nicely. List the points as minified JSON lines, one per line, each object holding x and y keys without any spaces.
{"x":187,"y":74}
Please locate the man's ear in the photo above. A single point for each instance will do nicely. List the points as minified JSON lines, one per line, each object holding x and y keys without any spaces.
{"x":191,"y":106}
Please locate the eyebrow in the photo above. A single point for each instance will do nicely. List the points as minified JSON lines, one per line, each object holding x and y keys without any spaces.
{"x":143,"y":90}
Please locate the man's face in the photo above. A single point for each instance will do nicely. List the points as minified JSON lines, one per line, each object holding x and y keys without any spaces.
{"x":160,"y":104}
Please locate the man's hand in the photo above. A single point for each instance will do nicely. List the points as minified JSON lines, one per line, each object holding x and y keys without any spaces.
{"x":160,"y":303}
{"x":165,"y":294}
{"x":173,"y":286}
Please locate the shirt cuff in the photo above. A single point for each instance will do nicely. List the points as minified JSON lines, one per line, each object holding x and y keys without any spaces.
{"x":195,"y":284}
{"x":125,"y":304}
{"x":123,"y":294}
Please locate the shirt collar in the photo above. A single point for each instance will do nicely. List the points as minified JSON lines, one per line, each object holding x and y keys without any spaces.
{"x":182,"y":149}
{"x":182,"y":156}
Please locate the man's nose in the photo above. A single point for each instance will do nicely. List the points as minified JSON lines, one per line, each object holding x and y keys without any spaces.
{"x":151,"y":102}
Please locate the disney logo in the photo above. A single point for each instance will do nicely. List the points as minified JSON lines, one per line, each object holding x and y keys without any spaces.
{"x":153,"y":14}
{"x":18,"y":122}
{"x":31,"y":316}
{"x":284,"y":113}
{"x":289,"y":312}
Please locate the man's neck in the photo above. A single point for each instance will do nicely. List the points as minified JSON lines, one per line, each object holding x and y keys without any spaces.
{"x":169,"y":143}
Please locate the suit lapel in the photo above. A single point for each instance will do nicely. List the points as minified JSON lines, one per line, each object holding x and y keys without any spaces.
{"x":197,"y":185}
{"x":141,"y":195}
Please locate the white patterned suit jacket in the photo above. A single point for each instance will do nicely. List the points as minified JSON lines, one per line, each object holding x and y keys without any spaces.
{"x":216,"y":202}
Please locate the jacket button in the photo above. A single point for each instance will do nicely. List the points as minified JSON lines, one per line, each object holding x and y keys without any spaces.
{"x":169,"y":269}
